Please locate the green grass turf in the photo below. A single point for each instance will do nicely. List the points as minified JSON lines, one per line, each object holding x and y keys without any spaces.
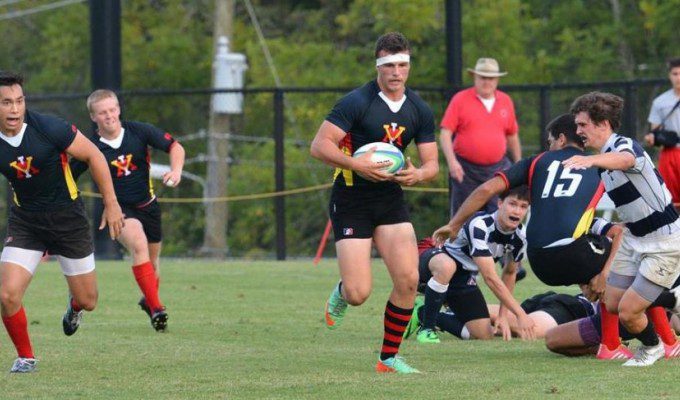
{"x":255,"y":330}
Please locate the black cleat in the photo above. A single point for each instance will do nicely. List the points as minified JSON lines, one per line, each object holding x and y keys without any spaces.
{"x":159,"y":320}
{"x":144,"y":306}
{"x":71,"y":320}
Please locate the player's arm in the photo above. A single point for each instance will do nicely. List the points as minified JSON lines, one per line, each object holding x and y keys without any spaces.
{"x":84,"y":150}
{"x":176,"y":155}
{"x":446,"y":141}
{"x":615,"y":160}
{"x":514,"y":147}
{"x":325,"y":148}
{"x":487,"y":269}
{"x":599,"y":281}
{"x":428,"y":170}
{"x":649,"y":137}
{"x":480,"y":196}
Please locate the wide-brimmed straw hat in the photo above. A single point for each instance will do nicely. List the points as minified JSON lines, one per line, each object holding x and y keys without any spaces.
{"x":487,"y":67}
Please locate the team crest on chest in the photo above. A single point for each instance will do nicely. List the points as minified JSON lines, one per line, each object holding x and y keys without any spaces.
{"x":24,"y":168}
{"x":393,"y":133}
{"x":124,"y":165}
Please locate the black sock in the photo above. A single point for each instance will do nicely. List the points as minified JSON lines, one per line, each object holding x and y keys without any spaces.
{"x":450,"y":323}
{"x":666,"y":300}
{"x":648,"y":336}
{"x":433,"y":303}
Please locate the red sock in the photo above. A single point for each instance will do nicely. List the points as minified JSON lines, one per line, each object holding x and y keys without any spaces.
{"x":395,"y":323}
{"x":660,"y":320}
{"x":75,"y":306}
{"x":17,"y":328}
{"x":146,"y":279}
{"x":610,"y":328}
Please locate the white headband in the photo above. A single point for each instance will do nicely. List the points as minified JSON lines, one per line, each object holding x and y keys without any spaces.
{"x":393,"y":58}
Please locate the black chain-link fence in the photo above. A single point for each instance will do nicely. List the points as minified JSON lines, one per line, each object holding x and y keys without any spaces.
{"x":281,"y":226}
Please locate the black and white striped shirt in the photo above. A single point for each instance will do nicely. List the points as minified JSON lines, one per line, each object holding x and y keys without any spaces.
{"x":481,"y":237}
{"x":640,"y":195}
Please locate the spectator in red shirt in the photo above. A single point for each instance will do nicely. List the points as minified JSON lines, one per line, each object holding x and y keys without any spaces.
{"x":478,"y":128}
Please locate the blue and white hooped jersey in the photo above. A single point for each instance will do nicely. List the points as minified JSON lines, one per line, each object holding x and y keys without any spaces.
{"x":641,"y":197}
{"x":481,"y":237}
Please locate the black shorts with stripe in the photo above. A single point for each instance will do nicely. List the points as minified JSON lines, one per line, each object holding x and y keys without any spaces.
{"x":65,"y":232}
{"x":572,"y":264}
{"x":356,"y":212}
{"x":463,"y":296}
{"x":150,"y":217}
{"x":562,"y":307}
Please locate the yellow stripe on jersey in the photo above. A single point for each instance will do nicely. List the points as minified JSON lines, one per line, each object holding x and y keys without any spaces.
{"x":151,"y":187}
{"x":584,"y":223}
{"x":68,"y":176}
{"x":16,"y":200}
{"x":346,"y":173}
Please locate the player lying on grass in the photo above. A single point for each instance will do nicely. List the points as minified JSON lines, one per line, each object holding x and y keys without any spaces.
{"x":449,"y":273}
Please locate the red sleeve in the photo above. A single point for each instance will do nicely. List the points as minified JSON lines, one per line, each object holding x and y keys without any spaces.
{"x":450,"y":119}
{"x":513,"y":127}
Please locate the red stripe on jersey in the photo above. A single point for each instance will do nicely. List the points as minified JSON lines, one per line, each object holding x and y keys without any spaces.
{"x":532,"y":167}
{"x":596,"y":197}
{"x":502,"y":175}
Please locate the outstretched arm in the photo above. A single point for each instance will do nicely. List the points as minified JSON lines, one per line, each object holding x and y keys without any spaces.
{"x":472,"y":204}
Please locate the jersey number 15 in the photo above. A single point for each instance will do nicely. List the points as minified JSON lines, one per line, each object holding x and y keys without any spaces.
{"x":566,"y":189}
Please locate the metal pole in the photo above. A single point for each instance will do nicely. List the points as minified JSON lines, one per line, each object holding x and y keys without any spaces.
{"x":106,"y":73}
{"x":630,"y":119}
{"x":454,"y":44}
{"x":544,"y":117}
{"x":279,"y":201}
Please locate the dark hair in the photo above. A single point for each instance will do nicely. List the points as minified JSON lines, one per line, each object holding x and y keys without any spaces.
{"x":673,"y":63}
{"x":10,"y":78}
{"x":393,"y":42}
{"x":565,"y":125}
{"x":600,"y":107}
{"x":521,"y":192}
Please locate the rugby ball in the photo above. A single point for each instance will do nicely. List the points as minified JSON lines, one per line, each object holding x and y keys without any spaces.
{"x":383,"y":152}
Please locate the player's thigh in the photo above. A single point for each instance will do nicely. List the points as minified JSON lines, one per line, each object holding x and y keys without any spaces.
{"x":354,"y":262}
{"x":543,"y":322}
{"x":574,"y":334}
{"x":397,"y":246}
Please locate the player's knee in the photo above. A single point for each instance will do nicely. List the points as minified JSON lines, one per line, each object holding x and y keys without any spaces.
{"x":482,"y":334}
{"x":88,"y":302}
{"x":552,"y":343}
{"x":10,"y":299}
{"x":355,"y":296}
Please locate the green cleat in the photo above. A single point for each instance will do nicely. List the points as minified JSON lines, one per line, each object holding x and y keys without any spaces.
{"x":427,"y":336}
{"x":395,"y":364}
{"x":336,"y":307}
{"x":414,"y":322}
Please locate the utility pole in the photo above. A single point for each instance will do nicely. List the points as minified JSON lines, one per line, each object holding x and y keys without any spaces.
{"x":106,"y":74}
{"x":454,"y":44}
{"x":215,"y":234}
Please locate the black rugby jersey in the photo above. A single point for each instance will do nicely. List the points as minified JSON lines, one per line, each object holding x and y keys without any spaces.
{"x":130,"y":163}
{"x":367,"y":118}
{"x":38,"y":168}
{"x":481,"y":237}
{"x":563,"y":200}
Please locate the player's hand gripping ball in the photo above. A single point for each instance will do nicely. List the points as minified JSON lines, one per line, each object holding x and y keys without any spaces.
{"x":384,"y":152}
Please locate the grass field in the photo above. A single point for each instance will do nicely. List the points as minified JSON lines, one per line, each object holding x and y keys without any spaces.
{"x":255,"y":330}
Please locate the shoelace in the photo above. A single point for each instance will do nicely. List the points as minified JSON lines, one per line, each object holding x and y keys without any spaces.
{"x":339,"y":306}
